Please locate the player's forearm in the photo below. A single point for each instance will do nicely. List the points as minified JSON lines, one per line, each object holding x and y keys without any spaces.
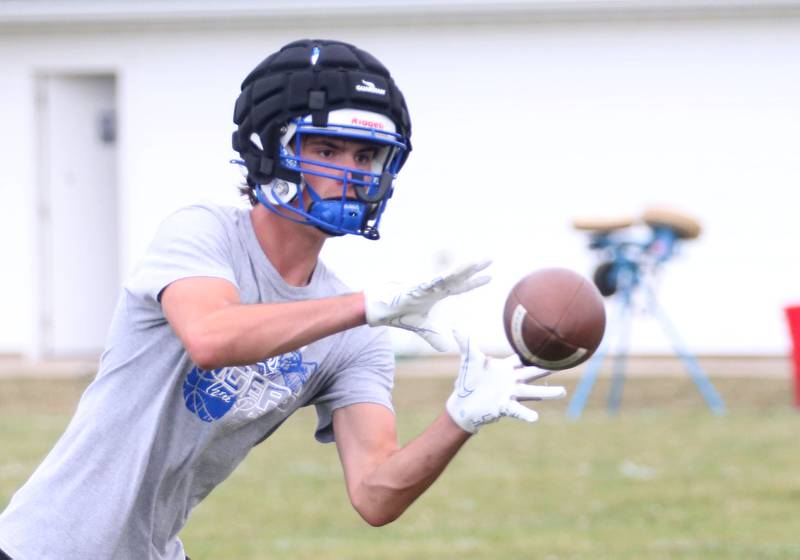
{"x":246,"y":333}
{"x":396,"y":483}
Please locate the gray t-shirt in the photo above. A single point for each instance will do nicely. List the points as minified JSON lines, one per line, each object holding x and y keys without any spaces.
{"x":153,"y":434}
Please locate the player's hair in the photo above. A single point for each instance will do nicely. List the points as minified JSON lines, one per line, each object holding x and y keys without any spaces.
{"x":247,"y":190}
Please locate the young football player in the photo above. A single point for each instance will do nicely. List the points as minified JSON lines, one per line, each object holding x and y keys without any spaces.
{"x":231,"y":323}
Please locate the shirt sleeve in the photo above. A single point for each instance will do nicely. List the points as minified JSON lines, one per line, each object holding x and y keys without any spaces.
{"x":367,"y":377}
{"x":191,"y":242}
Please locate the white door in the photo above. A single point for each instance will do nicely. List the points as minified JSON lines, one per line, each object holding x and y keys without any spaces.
{"x":78,"y":212}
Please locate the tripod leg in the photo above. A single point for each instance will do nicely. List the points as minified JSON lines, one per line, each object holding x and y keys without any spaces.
{"x":701,"y":380}
{"x":618,"y":375}
{"x":578,"y":402}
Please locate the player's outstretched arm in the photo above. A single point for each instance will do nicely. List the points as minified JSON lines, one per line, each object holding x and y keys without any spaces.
{"x":384,"y":479}
{"x":218,"y":330}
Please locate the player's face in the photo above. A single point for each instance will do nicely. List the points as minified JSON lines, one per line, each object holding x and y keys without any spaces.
{"x":339,"y":152}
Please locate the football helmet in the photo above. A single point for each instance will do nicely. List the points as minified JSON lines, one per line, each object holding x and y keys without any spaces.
{"x":323,"y":89}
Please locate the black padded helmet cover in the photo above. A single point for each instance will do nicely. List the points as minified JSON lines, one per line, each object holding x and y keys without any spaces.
{"x":294,"y":82}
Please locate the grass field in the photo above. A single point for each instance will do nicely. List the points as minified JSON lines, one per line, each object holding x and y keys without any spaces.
{"x":663,"y":479}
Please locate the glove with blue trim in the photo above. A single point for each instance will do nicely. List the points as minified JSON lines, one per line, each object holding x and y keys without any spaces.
{"x":488,"y":389}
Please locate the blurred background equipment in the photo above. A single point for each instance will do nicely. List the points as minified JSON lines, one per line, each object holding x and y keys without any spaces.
{"x":793,"y":318}
{"x":629,"y":261}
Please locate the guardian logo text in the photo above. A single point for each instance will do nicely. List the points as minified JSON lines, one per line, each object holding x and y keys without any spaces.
{"x":369,"y":87}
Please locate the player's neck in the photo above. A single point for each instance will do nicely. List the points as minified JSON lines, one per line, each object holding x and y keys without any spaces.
{"x":293,"y":249}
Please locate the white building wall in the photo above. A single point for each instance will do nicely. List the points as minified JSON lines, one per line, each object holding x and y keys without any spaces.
{"x":17,"y":249}
{"x":518,"y":127}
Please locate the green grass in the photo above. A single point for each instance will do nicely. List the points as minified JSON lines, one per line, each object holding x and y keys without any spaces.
{"x":663,"y":479}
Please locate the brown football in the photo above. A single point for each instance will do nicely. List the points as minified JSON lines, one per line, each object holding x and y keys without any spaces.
{"x":554,"y":318}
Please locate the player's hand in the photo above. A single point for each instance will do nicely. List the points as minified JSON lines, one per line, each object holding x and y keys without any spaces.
{"x":488,"y":389}
{"x":408,"y":307}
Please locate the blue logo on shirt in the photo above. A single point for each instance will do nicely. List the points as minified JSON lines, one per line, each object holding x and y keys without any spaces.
{"x":250,"y":390}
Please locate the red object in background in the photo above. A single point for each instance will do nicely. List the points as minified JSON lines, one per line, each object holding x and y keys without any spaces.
{"x":793,"y":317}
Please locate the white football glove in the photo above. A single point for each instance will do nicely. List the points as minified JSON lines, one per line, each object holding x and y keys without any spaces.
{"x":488,"y":389}
{"x":408,"y":307}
